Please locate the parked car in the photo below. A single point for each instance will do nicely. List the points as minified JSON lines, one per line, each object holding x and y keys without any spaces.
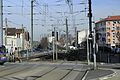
{"x":3,"y":57}
{"x":118,"y":50}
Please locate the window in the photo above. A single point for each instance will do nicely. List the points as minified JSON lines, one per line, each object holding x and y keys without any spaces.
{"x":108,"y":28}
{"x":114,"y":42}
{"x":118,"y":22}
{"x":108,"y":40}
{"x":114,"y":22}
{"x":103,"y":29}
{"x":114,"y":36}
{"x":108,"y":23}
{"x":18,"y":35}
{"x":103,"y":39}
{"x":117,"y":28}
{"x":108,"y":34}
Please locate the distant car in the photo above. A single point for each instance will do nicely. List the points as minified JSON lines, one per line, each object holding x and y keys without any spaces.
{"x":3,"y":57}
{"x":72,"y":47}
{"x":117,"y":50}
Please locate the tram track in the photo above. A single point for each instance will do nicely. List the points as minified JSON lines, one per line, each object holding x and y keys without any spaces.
{"x":59,"y":71}
{"x":13,"y":71}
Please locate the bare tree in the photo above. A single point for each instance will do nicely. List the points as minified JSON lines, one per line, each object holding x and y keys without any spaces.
{"x":44,"y":42}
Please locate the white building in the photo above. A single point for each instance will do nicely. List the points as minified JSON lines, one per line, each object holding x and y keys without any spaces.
{"x":81,"y":36}
{"x":13,"y":37}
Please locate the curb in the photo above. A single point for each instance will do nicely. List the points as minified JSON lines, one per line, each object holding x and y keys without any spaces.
{"x":107,"y":76}
{"x":84,"y":76}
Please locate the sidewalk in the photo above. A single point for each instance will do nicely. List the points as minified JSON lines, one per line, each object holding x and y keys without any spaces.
{"x":99,"y":74}
{"x":116,"y":76}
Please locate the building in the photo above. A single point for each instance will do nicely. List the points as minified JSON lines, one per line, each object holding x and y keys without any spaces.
{"x":107,"y":31}
{"x":82,"y":36}
{"x":13,"y":37}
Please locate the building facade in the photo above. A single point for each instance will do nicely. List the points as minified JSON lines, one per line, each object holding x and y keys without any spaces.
{"x":13,"y":37}
{"x":82,"y":36}
{"x":107,"y":31}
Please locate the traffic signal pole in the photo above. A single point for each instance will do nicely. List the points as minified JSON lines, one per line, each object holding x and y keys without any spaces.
{"x":90,"y":35}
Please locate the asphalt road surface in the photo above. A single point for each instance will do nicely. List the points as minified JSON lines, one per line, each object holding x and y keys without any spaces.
{"x":43,"y":71}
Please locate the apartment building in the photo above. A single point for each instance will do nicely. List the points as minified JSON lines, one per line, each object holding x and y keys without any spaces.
{"x":107,"y":31}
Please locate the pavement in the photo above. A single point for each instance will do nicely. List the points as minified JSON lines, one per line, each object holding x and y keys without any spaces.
{"x":70,"y":70}
{"x":98,"y":74}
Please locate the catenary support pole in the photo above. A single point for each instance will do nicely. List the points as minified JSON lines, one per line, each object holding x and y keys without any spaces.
{"x":76,"y":41}
{"x":90,"y":30}
{"x":1,"y":22}
{"x":54,"y":45}
{"x":31,"y":41}
{"x":6,"y":25}
{"x":94,"y":54}
{"x":88,"y":54}
{"x":66,"y":35}
{"x":56,"y":52}
{"x":22,"y":37}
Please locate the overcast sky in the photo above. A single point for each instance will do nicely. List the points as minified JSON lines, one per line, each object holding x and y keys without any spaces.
{"x":18,"y":13}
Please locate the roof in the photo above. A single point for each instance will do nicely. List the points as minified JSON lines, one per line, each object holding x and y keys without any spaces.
{"x":110,"y":18}
{"x":19,"y":30}
{"x":11,"y":31}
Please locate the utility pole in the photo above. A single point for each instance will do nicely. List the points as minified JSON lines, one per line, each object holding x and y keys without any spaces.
{"x":75,"y":36}
{"x":54,"y":45}
{"x":90,"y":35}
{"x":32,"y":26}
{"x":94,"y":54}
{"x":22,"y":37}
{"x":90,"y":29}
{"x":6,"y":31}
{"x":1,"y":22}
{"x":88,"y":50}
{"x":66,"y":35}
{"x":90,"y":17}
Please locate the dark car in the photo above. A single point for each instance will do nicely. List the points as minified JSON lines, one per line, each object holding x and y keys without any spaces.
{"x":3,"y":57}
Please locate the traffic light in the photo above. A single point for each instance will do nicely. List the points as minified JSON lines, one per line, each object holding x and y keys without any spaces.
{"x":57,"y":36}
{"x":53,"y":34}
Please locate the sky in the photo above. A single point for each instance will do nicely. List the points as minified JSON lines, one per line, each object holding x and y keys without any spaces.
{"x":52,"y":13}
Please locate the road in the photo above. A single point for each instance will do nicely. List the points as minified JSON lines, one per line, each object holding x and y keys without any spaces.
{"x":43,"y":71}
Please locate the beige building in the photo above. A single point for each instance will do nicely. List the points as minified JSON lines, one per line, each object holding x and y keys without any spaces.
{"x":108,"y":31}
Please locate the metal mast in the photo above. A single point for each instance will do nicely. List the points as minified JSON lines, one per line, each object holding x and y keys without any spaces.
{"x":32,"y":26}
{"x":66,"y":35}
{"x":1,"y":22}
